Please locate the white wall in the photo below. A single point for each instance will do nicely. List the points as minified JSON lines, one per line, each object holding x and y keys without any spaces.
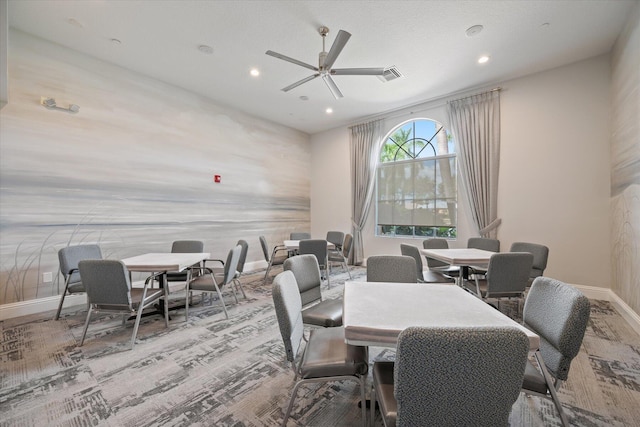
{"x":554,"y":177}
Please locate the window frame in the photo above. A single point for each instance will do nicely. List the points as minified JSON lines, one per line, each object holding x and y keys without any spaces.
{"x":413,"y":230}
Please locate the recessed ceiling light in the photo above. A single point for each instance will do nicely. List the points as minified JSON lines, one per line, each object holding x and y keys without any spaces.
{"x":205,"y":49}
{"x":329,"y":110}
{"x":483,"y":59}
{"x":254,"y":72}
{"x":474,"y":31}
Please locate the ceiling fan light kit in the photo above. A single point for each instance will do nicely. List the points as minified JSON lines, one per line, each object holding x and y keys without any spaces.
{"x":326,"y":61}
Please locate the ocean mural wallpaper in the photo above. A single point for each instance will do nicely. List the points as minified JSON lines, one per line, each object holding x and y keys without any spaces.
{"x":133,"y":170}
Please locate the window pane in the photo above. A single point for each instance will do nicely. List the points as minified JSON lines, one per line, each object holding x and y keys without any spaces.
{"x":416,"y":182}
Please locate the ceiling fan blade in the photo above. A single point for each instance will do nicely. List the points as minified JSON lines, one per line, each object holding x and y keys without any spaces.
{"x":336,"y":48}
{"x":332,"y":86}
{"x":298,"y":83}
{"x":358,"y":71}
{"x":288,"y":59}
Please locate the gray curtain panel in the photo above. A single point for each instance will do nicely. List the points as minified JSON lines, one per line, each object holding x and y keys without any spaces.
{"x":475,"y":122}
{"x":365,"y":142}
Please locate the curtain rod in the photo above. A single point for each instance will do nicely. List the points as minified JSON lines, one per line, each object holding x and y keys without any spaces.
{"x":495,"y":89}
{"x":430,"y":103}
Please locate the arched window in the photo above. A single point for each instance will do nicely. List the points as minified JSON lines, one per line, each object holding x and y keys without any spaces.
{"x":416,"y":182}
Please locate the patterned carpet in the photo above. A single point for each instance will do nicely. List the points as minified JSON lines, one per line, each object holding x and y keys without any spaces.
{"x":217,"y":372}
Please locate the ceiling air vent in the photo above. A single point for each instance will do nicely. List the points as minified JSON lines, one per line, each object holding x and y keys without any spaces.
{"x":390,"y":73}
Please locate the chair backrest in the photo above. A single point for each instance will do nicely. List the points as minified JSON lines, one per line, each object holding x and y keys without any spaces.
{"x":414,"y":253}
{"x":391,"y":268}
{"x":306,"y":270}
{"x":336,"y":237}
{"x":299,"y":235}
{"x":288,"y":304}
{"x":346,"y":247}
{"x":106,"y":283}
{"x":435,"y":243}
{"x":508,"y":273}
{"x":187,"y":246}
{"x":559,"y":313}
{"x":484,"y":243}
{"x":70,"y":256}
{"x":458,"y":376}
{"x":265,"y":247}
{"x":540,"y":256}
{"x":231,"y":265}
{"x":317,"y":247}
{"x":243,"y":255}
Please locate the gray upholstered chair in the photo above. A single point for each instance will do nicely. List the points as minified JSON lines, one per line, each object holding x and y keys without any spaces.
{"x":424,"y":276}
{"x":220,"y":274}
{"x":392,"y":268}
{"x":507,"y":276}
{"x":540,"y":256}
{"x":299,"y":235}
{"x":326,"y":356}
{"x":451,"y":377}
{"x":437,"y":265}
{"x":484,"y":243}
{"x":317,"y":312}
{"x":209,"y":281}
{"x":69,"y":258}
{"x":342,"y":256}
{"x":109,"y":289}
{"x":559,"y":314}
{"x":183,"y":247}
{"x":317,"y":247}
{"x":273,"y":257}
{"x":337,"y":238}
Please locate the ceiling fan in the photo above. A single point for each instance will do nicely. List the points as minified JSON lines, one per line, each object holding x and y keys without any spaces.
{"x":325,"y":64}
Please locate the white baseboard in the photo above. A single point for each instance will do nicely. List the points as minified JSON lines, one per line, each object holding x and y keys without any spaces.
{"x":40,"y":305}
{"x":621,"y":307}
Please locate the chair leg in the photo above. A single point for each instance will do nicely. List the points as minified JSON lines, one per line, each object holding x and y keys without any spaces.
{"x":363,"y":401}
{"x":346,"y":267}
{"x":135,"y":327}
{"x":86,"y":325}
{"x":186,"y":304}
{"x":266,"y":274}
{"x":64,"y":294}
{"x":293,"y":398}
{"x":239,"y":284}
{"x":552,"y":389}
{"x":224,"y":307}
{"x":372,"y":401}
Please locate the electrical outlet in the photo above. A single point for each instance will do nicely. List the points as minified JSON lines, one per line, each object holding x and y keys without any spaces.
{"x":47,"y":277}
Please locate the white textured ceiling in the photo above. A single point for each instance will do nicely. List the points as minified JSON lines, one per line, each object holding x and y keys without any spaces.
{"x":425,"y":40}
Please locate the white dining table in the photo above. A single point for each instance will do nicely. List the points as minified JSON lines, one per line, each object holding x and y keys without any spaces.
{"x":164,"y":262}
{"x":374,"y":313}
{"x":463,"y":258}
{"x":294,"y":245}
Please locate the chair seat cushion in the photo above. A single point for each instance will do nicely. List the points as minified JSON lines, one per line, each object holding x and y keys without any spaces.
{"x":204,"y":283}
{"x":533,"y":379}
{"x":328,"y":355}
{"x":383,"y":384}
{"x":430,"y":276}
{"x":75,"y":287}
{"x":327,"y":313}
